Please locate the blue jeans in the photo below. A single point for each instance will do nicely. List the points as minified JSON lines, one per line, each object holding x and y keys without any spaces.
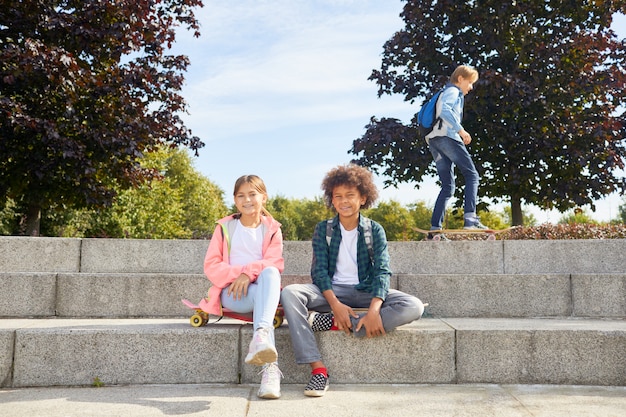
{"x":262,"y":299}
{"x":297,"y":299}
{"x":447,"y":153}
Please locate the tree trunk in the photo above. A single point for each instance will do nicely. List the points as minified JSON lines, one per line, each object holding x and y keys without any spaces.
{"x":517,"y":217}
{"x":31,"y":221}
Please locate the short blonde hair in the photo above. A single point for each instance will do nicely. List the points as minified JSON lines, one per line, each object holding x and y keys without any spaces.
{"x":465,"y":71}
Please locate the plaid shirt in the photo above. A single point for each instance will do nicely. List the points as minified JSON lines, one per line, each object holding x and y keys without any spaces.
{"x":373,"y":278}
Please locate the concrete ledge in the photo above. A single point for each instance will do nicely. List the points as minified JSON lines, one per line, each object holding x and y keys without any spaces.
{"x":298,"y":256}
{"x":27,"y":294}
{"x":7,"y":341}
{"x":599,"y":295}
{"x":392,"y":359}
{"x":591,"y":256}
{"x":74,"y":352}
{"x":547,"y":295}
{"x":128,"y":295}
{"x":25,"y":254}
{"x":7,"y":351}
{"x":457,"y":257}
{"x":527,"y":351}
{"x":143,"y":256}
{"x":39,"y":254}
{"x":75,"y":295}
{"x":169,"y":256}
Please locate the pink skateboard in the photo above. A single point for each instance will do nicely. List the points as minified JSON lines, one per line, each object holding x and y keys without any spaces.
{"x":201,"y":317}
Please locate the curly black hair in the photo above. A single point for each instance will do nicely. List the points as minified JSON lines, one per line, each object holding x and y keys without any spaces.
{"x":353,"y":176}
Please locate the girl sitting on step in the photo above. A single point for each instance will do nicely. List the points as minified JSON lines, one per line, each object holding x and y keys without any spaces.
{"x":244,"y":262}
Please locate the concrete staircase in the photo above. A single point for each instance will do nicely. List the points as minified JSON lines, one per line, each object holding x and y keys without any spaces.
{"x":85,"y":311}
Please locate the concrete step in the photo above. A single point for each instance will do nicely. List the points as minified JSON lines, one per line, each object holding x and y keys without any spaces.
{"x":69,"y":352}
{"x":519,"y":295}
{"x":119,"y":295}
{"x":593,"y":256}
{"x":125,"y":295}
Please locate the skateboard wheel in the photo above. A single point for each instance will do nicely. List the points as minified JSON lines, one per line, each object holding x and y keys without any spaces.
{"x":196,"y":320}
{"x":278,"y":321}
{"x":491,"y":237}
{"x":436,"y":237}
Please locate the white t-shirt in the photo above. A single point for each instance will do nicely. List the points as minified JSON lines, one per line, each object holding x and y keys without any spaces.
{"x":347,"y":271}
{"x":246,"y":244}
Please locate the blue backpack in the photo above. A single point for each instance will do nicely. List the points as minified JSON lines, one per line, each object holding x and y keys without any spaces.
{"x":427,"y":116}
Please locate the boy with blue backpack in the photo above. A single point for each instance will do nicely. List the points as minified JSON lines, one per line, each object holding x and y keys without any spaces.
{"x":447,"y":141}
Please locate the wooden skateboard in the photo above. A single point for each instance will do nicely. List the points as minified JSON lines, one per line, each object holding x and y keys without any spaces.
{"x":491,"y":233}
{"x":201,"y":317}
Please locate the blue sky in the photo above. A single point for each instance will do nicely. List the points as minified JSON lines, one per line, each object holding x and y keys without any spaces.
{"x":279,"y":88}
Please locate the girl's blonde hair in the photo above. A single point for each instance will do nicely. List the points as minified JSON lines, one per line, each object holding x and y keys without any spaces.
{"x":465,"y":71}
{"x":257,"y":183}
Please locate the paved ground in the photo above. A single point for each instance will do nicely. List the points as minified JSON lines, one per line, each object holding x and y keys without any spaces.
{"x":339,"y":401}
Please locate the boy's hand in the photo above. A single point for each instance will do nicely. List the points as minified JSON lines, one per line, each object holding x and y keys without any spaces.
{"x":342,"y":315}
{"x":467,"y":138}
{"x":373,"y":324}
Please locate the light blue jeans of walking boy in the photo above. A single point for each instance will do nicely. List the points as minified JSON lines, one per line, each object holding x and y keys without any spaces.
{"x":447,"y":153}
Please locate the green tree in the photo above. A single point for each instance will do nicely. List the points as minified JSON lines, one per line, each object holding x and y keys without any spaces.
{"x":577,"y":216}
{"x":202,"y":200}
{"x":284,"y":210}
{"x":622,"y":212}
{"x":298,"y":217}
{"x":545,"y":118}
{"x":311,"y":212}
{"x":529,"y":219}
{"x":178,"y":204}
{"x":395,"y":219}
{"x":8,"y":221}
{"x":86,"y":89}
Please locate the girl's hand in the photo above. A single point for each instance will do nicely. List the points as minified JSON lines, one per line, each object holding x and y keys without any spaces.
{"x":239,"y":287}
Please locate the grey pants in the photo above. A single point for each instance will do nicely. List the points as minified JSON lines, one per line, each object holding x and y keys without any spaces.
{"x":297,"y":299}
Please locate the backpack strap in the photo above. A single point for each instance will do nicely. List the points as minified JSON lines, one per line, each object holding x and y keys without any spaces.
{"x":369,"y":240}
{"x":329,"y":231}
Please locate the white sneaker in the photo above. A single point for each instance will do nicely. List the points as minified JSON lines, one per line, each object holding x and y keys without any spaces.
{"x":270,"y":381}
{"x":261,"y":350}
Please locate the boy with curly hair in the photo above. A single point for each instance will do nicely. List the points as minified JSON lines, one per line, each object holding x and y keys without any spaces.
{"x":345,"y":277}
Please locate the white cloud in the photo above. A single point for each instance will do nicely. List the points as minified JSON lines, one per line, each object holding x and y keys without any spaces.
{"x":303,"y":65}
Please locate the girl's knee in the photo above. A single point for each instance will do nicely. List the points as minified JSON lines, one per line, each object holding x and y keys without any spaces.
{"x":271,"y":273}
{"x":272,"y":270}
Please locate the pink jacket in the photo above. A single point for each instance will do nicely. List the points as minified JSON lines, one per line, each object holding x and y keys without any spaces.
{"x":216,"y":262}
